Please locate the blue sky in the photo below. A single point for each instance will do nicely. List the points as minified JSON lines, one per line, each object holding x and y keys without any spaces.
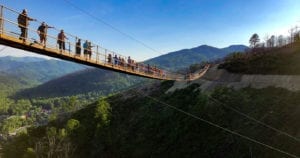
{"x":165,"y":25}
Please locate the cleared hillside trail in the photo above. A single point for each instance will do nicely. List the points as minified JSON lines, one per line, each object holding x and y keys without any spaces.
{"x":214,"y":77}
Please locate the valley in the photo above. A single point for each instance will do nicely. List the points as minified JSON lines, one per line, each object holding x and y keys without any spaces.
{"x":84,"y":115}
{"x":132,"y":79}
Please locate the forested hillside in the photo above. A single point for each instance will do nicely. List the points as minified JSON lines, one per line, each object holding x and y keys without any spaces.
{"x":138,"y":123}
{"x":277,"y":60}
{"x":93,"y":80}
{"x":9,"y":84}
{"x":32,"y":71}
{"x":133,"y":125}
{"x":95,"y":85}
{"x":19,"y":73}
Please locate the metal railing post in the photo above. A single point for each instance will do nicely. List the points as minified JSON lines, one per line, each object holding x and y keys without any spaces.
{"x":97,"y":56}
{"x":105,"y":56}
{"x":69,"y":47}
{"x":112,"y":58}
{"x":1,"y":20}
{"x":76,"y":39}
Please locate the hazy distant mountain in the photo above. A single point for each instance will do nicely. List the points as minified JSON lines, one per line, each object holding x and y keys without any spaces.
{"x":184,"y":58}
{"x":25,"y":59}
{"x":235,"y":48}
{"x":9,"y":62}
{"x":92,"y":80}
{"x":33,"y":71}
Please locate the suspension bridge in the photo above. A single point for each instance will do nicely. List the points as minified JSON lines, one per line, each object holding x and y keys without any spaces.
{"x":96,"y":56}
{"x":105,"y":59}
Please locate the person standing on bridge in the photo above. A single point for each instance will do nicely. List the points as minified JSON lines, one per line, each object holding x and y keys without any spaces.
{"x":85,"y":48}
{"x":109,"y":59}
{"x":148,"y":68}
{"x":128,"y":62}
{"x":89,"y":50}
{"x":61,"y":40}
{"x":42,"y":31}
{"x":116,"y":60}
{"x":23,"y":22}
{"x":78,"y":47}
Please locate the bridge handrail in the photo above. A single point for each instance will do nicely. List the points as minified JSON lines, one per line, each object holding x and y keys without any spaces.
{"x":97,"y":54}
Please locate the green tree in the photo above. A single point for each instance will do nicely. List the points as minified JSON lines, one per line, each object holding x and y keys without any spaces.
{"x":297,"y":37}
{"x":16,"y":147}
{"x":70,"y":105}
{"x":254,"y":40}
{"x":73,"y":101}
{"x":102,"y":111}
{"x":30,"y":153}
{"x":72,"y":124}
{"x":9,"y":125}
{"x":5,"y":104}
{"x":21,"y":107}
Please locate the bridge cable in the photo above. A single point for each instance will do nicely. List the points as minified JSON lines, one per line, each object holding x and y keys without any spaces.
{"x":218,"y":126}
{"x":253,"y":119}
{"x":117,"y":92}
{"x":112,"y":27}
{"x":203,"y":120}
{"x":115,"y":29}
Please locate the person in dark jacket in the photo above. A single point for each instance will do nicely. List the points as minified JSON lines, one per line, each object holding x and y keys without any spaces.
{"x":89,"y":51}
{"x":23,"y":22}
{"x":61,"y":40}
{"x":85,"y":49}
{"x":42,"y":31}
{"x":109,"y":59}
{"x":78,"y":47}
{"x":116,"y":60}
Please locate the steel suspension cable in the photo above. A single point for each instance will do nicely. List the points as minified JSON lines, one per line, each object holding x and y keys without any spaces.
{"x":152,"y":71}
{"x":112,"y":27}
{"x":218,"y":126}
{"x":115,"y":29}
{"x":255,"y":120}
{"x":118,"y":92}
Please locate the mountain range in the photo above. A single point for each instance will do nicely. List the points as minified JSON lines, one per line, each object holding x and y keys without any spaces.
{"x":186,"y":57}
{"x":60,"y":78}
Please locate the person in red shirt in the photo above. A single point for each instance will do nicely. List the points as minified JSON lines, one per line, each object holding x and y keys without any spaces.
{"x":61,"y":40}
